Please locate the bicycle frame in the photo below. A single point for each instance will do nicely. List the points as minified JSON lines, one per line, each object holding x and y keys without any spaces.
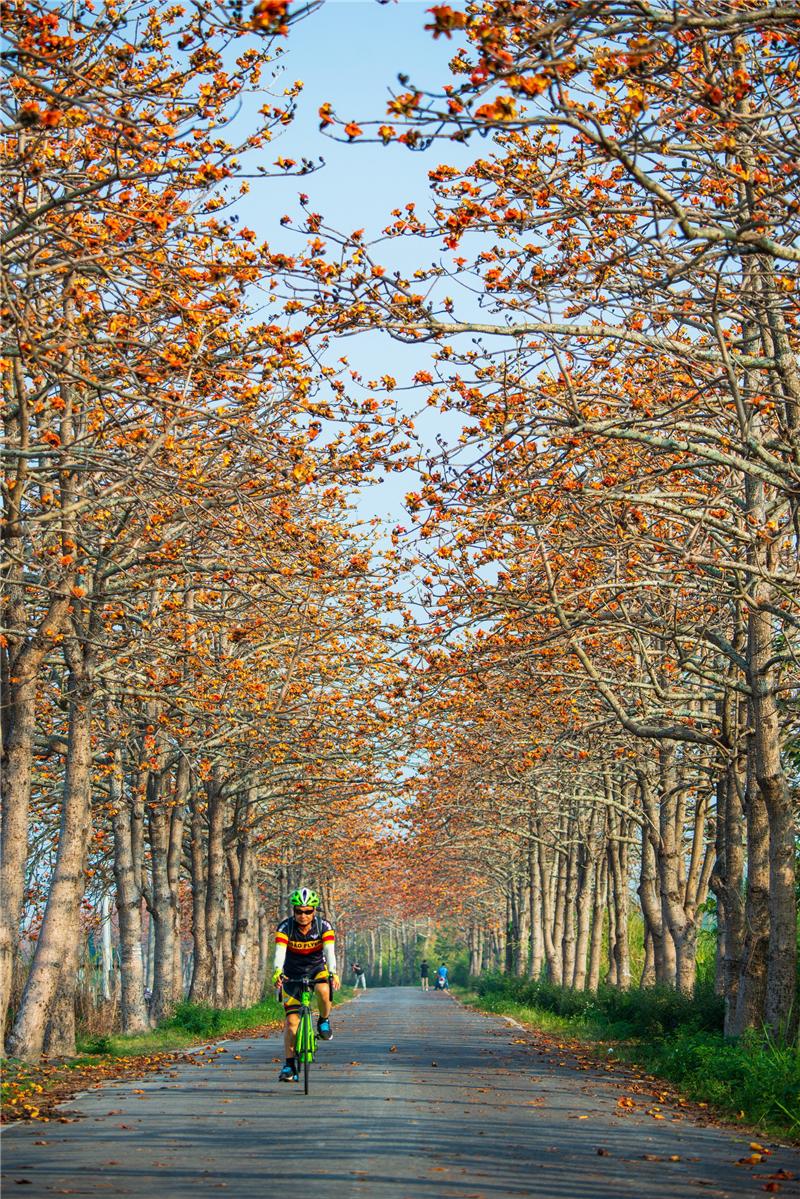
{"x":305,"y":1044}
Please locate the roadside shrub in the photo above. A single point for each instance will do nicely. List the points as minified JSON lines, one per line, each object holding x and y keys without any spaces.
{"x":101,"y":1044}
{"x":659,"y":1011}
{"x":203,"y":1021}
{"x":751,"y":1076}
{"x":653,"y":1012}
{"x":196,"y":1018}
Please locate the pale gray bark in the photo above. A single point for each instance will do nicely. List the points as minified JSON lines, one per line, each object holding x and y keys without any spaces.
{"x":598,"y":918}
{"x":127,"y":823}
{"x":584,"y":904}
{"x":59,"y":1037}
{"x":569,"y":938}
{"x":555,"y":962}
{"x":61,"y":930}
{"x":619,"y":948}
{"x":201,"y":964}
{"x":780,"y":1009}
{"x":536,"y":960}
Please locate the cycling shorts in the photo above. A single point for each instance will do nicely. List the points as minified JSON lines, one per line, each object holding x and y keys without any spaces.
{"x":293,"y":988}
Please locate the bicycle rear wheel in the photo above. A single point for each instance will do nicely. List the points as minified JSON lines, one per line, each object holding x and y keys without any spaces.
{"x":305,"y":1074}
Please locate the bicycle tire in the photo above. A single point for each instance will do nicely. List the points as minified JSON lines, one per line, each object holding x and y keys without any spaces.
{"x":305,"y":1045}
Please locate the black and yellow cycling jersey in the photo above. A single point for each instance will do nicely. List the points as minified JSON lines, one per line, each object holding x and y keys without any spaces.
{"x":305,"y":952}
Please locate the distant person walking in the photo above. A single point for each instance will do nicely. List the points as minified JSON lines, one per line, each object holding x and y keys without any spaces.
{"x":359,"y":977}
{"x":423,"y":974}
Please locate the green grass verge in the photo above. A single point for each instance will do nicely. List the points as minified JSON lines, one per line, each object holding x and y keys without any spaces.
{"x":190,"y":1023}
{"x":676,"y":1038}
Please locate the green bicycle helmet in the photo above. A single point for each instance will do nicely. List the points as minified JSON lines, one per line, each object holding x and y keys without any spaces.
{"x":304,"y":897}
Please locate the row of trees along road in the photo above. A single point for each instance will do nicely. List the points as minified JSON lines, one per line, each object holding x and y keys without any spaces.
{"x":192,"y":624}
{"x":610,"y":664}
{"x":203,"y":687}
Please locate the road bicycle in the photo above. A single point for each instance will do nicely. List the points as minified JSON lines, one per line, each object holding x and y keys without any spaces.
{"x":305,"y":1044}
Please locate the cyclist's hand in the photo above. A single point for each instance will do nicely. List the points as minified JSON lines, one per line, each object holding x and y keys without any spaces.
{"x":277,"y":978}
{"x":335,"y":982}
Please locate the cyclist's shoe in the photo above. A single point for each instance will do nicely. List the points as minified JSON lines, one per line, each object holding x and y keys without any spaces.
{"x":324,"y":1029}
{"x":288,"y":1073}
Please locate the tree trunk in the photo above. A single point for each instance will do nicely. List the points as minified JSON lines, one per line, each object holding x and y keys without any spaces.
{"x":177,"y":823}
{"x":215,"y":884}
{"x":598,"y":915}
{"x":752,"y":990}
{"x":162,"y":1003}
{"x":107,"y":950}
{"x":586,"y":877}
{"x":618,"y":886}
{"x":523,"y":919}
{"x":557,"y":963}
{"x":61,"y":928}
{"x":780,"y":1009}
{"x":726,"y":881}
{"x":224,"y":958}
{"x":265,"y":943}
{"x":611,"y":976}
{"x":681,"y":928}
{"x":546,"y":871}
{"x":649,"y":892}
{"x":570,"y":891}
{"x":59,"y":1038}
{"x":19,"y":724}
{"x":127,"y":823}
{"x":243,"y":917}
{"x":21,"y":660}
{"x":535,"y":904}
{"x":201,"y":967}
{"x":648,"y":978}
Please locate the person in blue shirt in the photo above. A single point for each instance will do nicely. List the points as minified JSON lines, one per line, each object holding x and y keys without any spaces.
{"x":442,"y":980}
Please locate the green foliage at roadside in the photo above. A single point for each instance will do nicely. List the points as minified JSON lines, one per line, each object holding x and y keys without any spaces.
{"x":202,"y":1020}
{"x":448,"y":947}
{"x":654,"y":1012}
{"x":677,"y":1038}
{"x":190,"y":1023}
{"x":752,"y":1078}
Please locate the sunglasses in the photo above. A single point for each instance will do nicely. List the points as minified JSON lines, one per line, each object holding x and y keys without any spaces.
{"x":304,"y":911}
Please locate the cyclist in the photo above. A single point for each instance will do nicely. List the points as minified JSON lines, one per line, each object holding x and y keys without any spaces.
{"x":442,"y":979}
{"x":304,"y":948}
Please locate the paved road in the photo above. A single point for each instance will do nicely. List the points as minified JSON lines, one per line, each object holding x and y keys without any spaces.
{"x":493,"y":1118}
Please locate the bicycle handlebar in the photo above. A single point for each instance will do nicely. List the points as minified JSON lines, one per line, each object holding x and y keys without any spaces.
{"x":307,"y":983}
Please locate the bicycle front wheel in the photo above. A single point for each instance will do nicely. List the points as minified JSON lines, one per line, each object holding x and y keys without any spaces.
{"x":305,"y":1045}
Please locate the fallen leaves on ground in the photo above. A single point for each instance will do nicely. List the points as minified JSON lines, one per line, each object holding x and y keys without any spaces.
{"x":575,"y":1054}
{"x":34,"y":1092}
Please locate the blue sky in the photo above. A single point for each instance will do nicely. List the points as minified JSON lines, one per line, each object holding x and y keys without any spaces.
{"x":349,"y":53}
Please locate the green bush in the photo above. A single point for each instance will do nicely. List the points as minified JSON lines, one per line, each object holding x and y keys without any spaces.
{"x":750,"y":1076}
{"x":653,"y":1012}
{"x":100,"y":1044}
{"x":196,"y":1018}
